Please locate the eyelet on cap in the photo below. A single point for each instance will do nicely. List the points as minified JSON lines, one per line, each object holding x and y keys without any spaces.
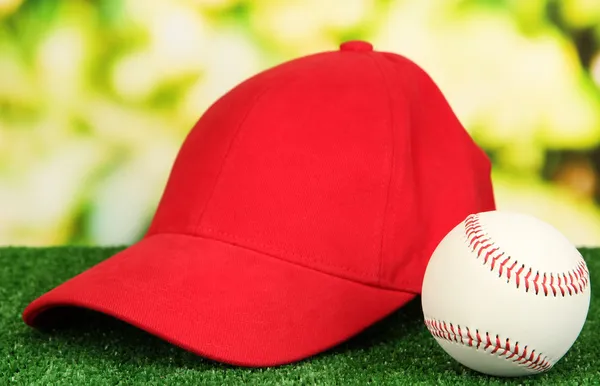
{"x":356,"y":45}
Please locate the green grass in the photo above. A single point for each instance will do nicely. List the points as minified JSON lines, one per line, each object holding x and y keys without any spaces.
{"x":104,"y":351}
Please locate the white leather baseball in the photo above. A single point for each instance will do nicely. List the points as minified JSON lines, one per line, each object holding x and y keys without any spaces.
{"x":506,"y":294}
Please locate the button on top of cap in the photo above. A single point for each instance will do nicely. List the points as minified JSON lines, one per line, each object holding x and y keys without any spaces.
{"x":356,"y":45}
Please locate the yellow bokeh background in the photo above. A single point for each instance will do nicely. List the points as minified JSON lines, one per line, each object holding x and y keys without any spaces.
{"x":97,"y":96}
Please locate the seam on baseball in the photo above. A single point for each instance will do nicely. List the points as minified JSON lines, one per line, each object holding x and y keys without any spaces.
{"x":491,"y":343}
{"x":555,"y":284}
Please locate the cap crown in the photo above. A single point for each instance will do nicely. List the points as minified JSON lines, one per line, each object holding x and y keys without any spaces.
{"x":349,"y":163}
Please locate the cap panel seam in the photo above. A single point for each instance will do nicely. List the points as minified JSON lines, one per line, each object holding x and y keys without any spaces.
{"x":391,"y":167}
{"x":235,"y":137}
{"x":227,"y":153}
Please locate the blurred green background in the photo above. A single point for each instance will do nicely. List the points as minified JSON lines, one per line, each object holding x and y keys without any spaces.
{"x":97,"y":96}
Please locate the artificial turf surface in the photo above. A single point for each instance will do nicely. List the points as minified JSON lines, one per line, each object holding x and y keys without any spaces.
{"x":104,"y":351}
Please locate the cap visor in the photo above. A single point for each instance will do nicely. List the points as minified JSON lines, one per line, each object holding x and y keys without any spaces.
{"x":223,"y":302}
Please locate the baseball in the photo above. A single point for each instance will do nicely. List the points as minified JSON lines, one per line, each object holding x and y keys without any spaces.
{"x":505,"y":294}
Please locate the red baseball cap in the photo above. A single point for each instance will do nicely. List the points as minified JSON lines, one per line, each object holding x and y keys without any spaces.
{"x":302,"y":208}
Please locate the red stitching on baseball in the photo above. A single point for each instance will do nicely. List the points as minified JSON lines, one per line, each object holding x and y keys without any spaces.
{"x":491,"y":343}
{"x":569,"y":283}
